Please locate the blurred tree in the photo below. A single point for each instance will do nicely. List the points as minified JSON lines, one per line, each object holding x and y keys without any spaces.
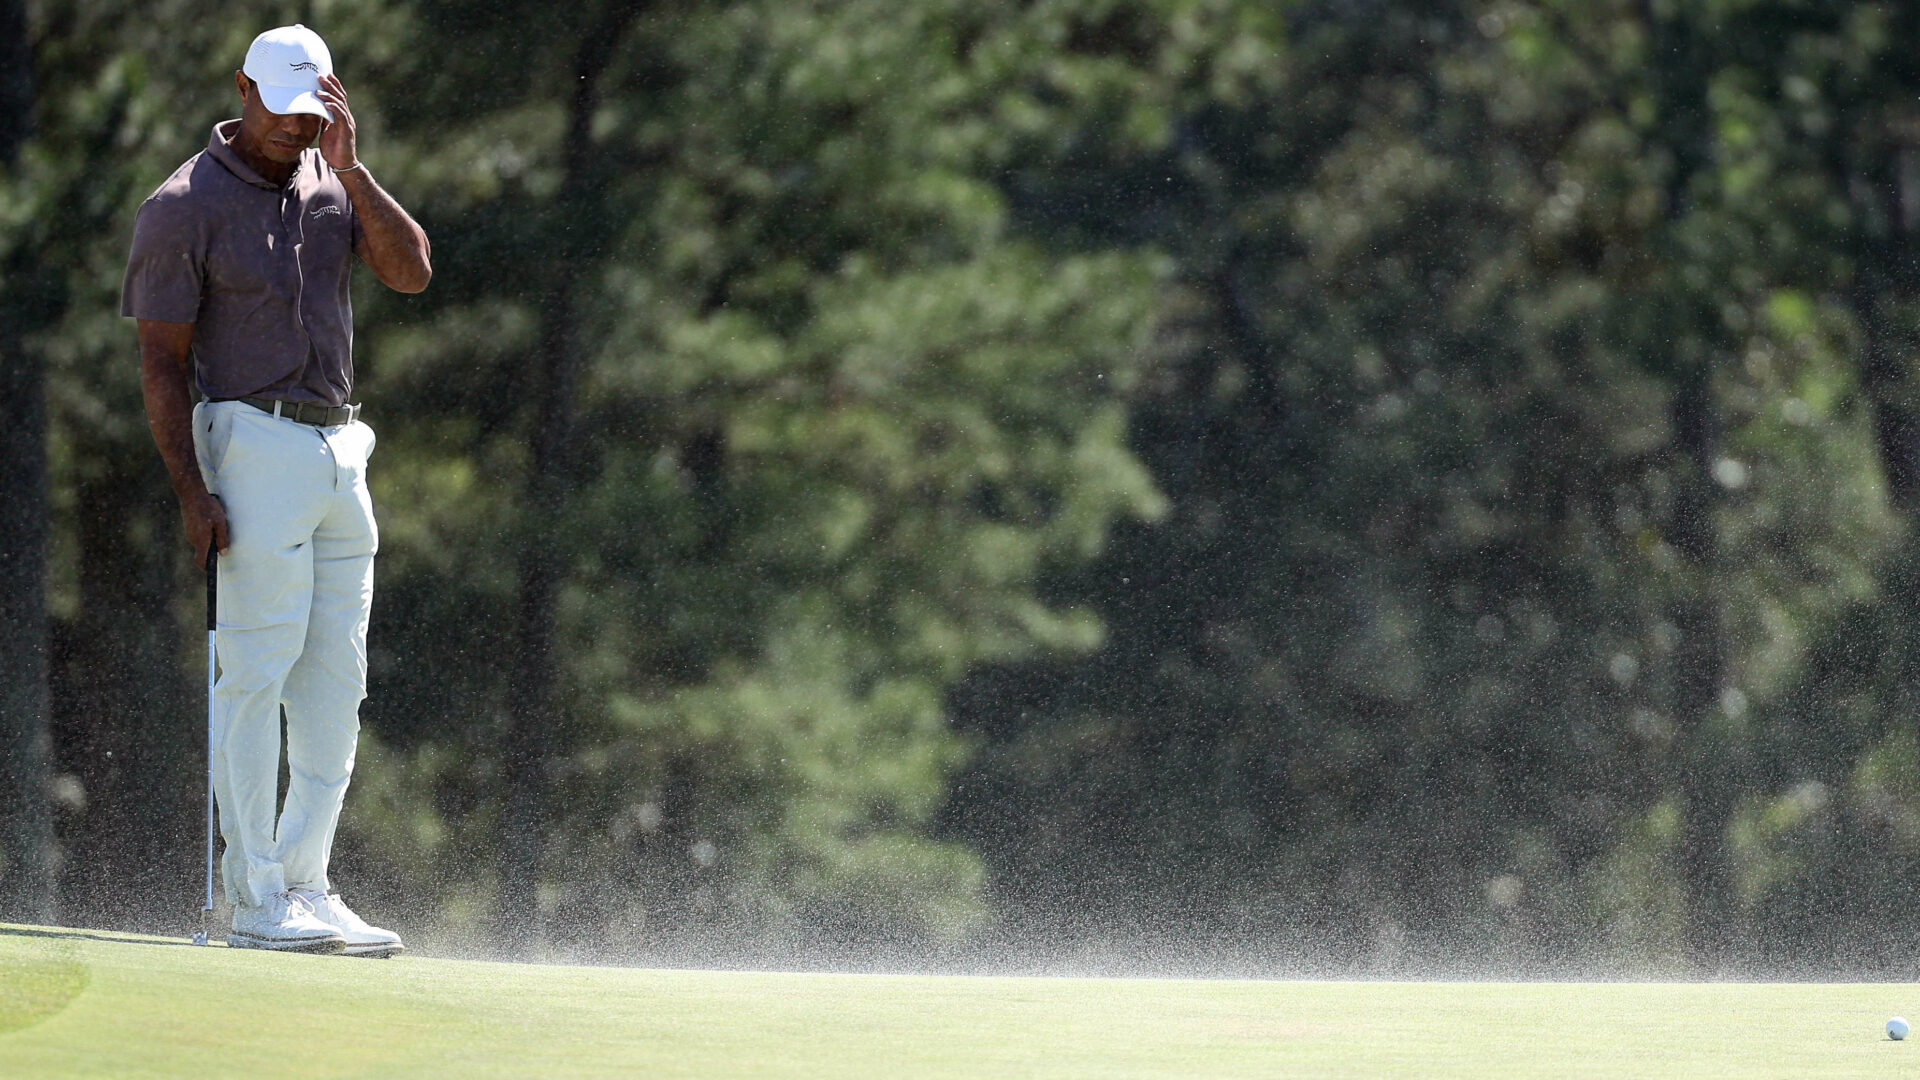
{"x":1826,"y":143}
{"x":1516,"y":459}
{"x":793,"y":426}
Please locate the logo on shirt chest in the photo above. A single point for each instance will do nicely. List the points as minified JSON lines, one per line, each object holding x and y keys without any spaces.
{"x":327,"y":209}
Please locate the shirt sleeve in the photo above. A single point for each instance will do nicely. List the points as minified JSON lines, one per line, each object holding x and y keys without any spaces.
{"x":167,"y":266}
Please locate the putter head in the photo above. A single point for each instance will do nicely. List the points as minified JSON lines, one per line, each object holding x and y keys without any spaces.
{"x":199,"y":937}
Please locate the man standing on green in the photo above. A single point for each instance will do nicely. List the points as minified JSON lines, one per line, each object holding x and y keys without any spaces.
{"x":238,"y":278}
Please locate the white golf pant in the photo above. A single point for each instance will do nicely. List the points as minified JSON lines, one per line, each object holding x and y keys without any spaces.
{"x":295,"y":589}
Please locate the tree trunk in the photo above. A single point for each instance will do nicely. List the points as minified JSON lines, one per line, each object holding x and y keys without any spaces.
{"x":1708,"y":752}
{"x":1711,"y":752}
{"x":1886,"y":278}
{"x":26,"y":821}
{"x":536,"y":728}
{"x":123,"y":726}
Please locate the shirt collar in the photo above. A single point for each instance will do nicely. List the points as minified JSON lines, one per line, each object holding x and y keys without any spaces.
{"x":220,"y":145}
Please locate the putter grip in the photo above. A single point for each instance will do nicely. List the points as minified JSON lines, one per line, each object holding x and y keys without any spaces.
{"x":213,"y":581}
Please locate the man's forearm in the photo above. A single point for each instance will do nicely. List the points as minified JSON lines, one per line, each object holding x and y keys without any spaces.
{"x":166,"y":351}
{"x":396,"y":246}
{"x":166,"y":357}
{"x":163,"y":385}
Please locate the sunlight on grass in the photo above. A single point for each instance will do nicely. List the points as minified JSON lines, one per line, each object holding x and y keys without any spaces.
{"x":100,"y":1005}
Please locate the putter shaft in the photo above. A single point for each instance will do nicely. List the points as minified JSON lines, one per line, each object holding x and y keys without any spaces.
{"x":213,"y":587}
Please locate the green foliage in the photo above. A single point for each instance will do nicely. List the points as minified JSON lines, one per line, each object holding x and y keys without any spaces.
{"x":1521,"y":458}
{"x":835,"y":424}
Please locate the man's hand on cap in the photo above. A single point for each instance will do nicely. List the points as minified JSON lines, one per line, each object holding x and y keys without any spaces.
{"x":339,"y":144}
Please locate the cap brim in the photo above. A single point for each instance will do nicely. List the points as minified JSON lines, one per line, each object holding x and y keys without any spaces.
{"x":287,"y":100}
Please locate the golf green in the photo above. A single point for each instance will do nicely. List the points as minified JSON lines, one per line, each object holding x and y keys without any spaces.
{"x":81,"y":1003}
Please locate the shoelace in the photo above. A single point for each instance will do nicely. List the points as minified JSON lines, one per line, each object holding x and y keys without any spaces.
{"x":336,"y":908}
{"x":295,"y":902}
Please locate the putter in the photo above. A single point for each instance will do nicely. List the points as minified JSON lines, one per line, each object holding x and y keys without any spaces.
{"x":213,"y":593}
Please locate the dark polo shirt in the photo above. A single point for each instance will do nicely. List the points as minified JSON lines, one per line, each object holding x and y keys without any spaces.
{"x":261,"y":270}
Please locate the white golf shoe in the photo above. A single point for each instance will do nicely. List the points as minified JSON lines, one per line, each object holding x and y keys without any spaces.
{"x":362,"y":939}
{"x":285,"y":923}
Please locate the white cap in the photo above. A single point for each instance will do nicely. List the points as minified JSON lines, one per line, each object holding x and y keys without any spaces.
{"x":287,"y":62}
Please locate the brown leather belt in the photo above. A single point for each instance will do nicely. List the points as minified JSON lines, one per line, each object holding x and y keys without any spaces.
{"x":305,"y":412}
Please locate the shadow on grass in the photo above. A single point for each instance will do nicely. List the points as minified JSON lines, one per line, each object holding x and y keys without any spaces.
{"x":64,"y":934}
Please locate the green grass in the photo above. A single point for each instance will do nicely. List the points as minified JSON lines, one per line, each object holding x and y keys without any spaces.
{"x":87,"y":1004}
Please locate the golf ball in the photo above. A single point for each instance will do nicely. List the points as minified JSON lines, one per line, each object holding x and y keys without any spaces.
{"x":1897,"y":1028}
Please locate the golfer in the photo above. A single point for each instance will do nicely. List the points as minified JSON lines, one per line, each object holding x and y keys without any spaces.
{"x":238,"y":277}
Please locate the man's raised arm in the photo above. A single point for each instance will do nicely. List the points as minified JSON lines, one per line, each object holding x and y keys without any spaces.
{"x":391,"y":243}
